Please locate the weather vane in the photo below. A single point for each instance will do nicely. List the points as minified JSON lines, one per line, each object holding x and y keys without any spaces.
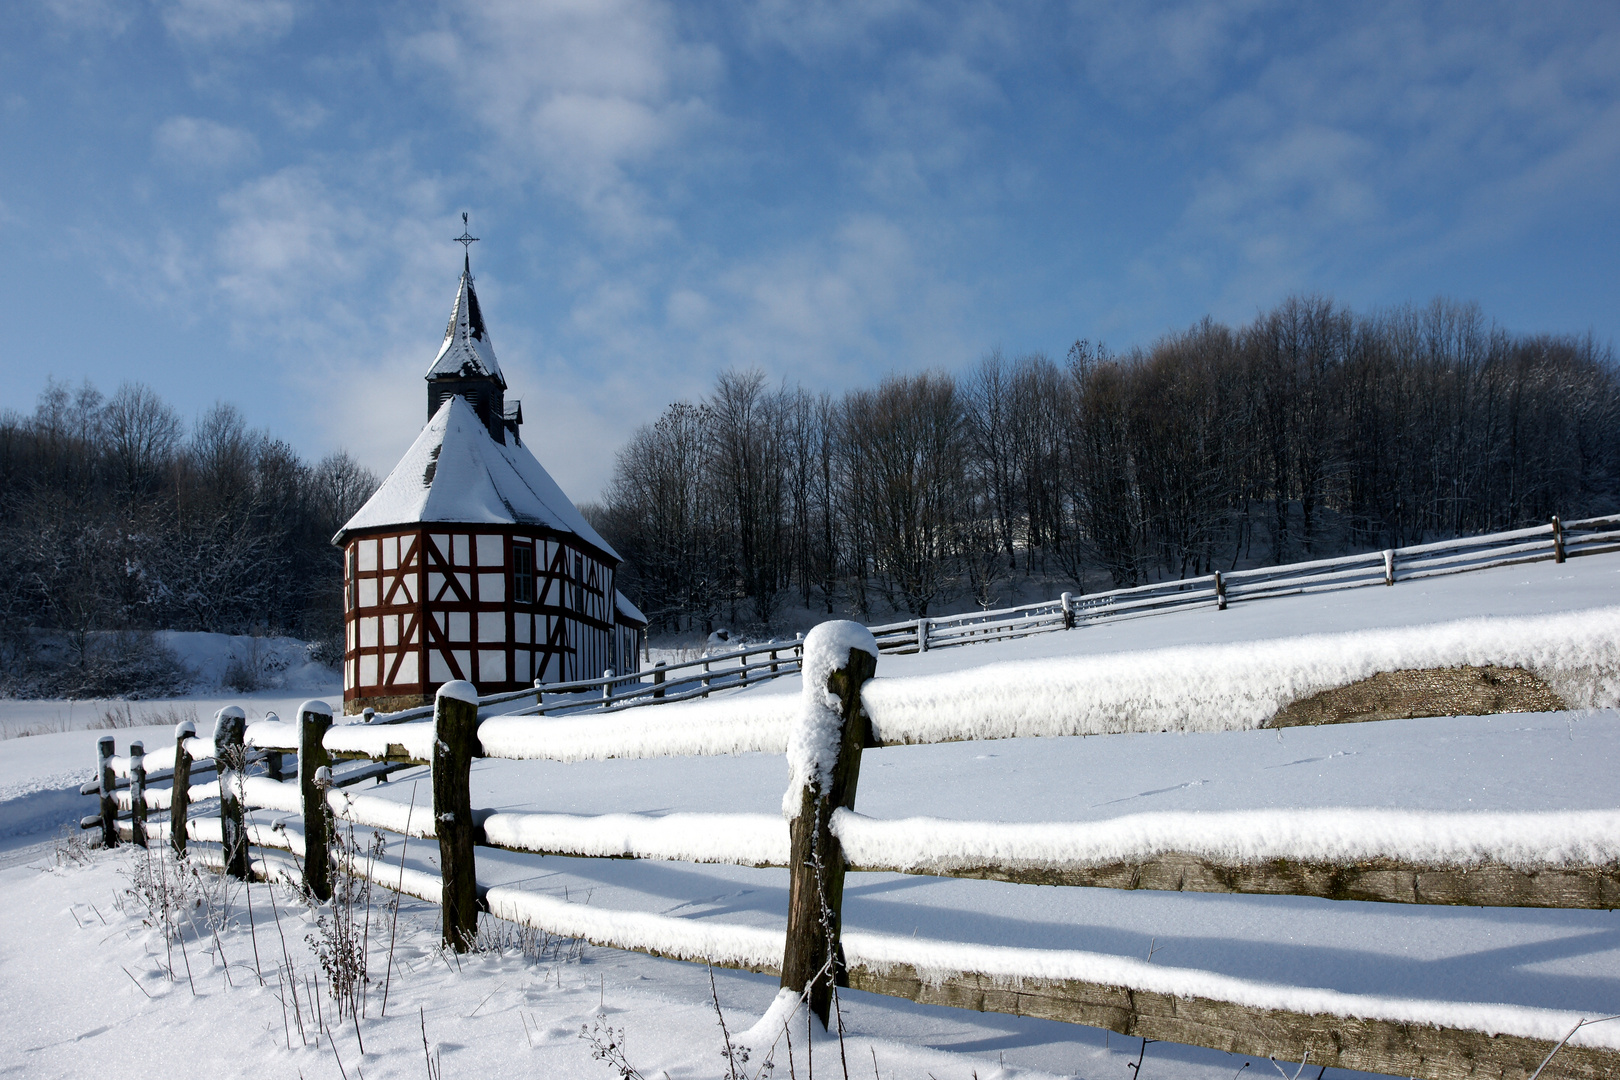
{"x":466,"y":240}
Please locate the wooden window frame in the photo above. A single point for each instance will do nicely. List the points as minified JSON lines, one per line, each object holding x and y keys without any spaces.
{"x":523,"y":575}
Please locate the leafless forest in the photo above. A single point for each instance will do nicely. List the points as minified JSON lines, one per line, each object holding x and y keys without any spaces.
{"x":1311,"y":431}
{"x":115,"y":519}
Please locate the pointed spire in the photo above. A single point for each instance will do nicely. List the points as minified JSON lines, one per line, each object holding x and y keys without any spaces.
{"x":467,"y":351}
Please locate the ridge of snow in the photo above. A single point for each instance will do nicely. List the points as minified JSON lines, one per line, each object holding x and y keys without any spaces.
{"x":737,"y":725}
{"x":744,"y":839}
{"x":1527,"y":841}
{"x":375,"y":812}
{"x":936,"y":961}
{"x":415,"y":738}
{"x":455,"y":473}
{"x":1237,"y":686}
{"x":666,"y":935}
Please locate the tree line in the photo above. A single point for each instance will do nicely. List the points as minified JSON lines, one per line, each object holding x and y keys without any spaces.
{"x":1311,"y":431}
{"x":117,"y":516}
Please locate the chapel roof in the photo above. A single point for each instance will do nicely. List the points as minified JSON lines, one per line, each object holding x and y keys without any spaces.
{"x":457,"y":474}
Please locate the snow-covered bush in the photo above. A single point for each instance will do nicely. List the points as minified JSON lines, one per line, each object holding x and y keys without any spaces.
{"x":126,"y":664}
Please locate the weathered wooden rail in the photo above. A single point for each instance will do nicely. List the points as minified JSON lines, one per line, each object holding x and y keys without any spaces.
{"x":814,"y":954}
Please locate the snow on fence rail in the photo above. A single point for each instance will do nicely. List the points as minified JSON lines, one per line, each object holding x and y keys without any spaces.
{"x":661,"y":684}
{"x":696,"y":679}
{"x":1563,"y":860}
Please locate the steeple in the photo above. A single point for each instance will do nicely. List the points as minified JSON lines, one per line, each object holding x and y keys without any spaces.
{"x":466,"y":365}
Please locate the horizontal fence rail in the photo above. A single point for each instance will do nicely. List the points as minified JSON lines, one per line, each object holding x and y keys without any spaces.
{"x":1565,"y":860}
{"x":687,"y":680}
{"x":1554,"y":542}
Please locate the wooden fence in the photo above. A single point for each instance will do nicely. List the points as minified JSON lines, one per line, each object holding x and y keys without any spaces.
{"x":698,"y":678}
{"x":819,"y":846}
{"x":1553,"y":542}
{"x":659,"y":685}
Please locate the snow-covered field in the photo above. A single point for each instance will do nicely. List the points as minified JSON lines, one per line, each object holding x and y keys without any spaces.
{"x":84,"y":987}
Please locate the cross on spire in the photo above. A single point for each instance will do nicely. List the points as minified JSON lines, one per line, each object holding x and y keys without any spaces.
{"x":466,"y":240}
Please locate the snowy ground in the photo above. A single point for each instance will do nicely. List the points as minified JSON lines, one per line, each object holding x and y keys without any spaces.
{"x":512,"y":1015}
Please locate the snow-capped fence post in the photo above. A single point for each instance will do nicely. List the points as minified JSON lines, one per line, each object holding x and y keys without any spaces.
{"x":658,"y":680}
{"x":272,"y":758}
{"x":922,"y":635}
{"x":314,"y":721}
{"x":773,"y":658}
{"x":455,"y":744}
{"x":1558,"y":539}
{"x":1220,"y":592}
{"x":230,"y":765}
{"x":1068,"y":610}
{"x":1389,"y":567}
{"x":607,"y":688}
{"x":109,"y":788}
{"x":137,"y":793}
{"x":824,"y":753}
{"x":180,"y":795}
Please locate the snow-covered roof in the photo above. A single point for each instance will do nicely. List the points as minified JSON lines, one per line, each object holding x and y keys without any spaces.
{"x":627,"y":611}
{"x":466,"y":350}
{"x":454,"y":472}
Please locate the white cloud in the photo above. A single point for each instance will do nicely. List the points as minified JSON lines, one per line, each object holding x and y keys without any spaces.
{"x":109,"y":17}
{"x":1331,"y":147}
{"x":298,"y":116}
{"x":237,"y":22}
{"x":578,"y":92}
{"x":808,"y":27}
{"x":189,"y":142}
{"x":287,"y":238}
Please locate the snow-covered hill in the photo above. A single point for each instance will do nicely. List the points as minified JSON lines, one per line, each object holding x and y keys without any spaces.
{"x":507,"y":1015}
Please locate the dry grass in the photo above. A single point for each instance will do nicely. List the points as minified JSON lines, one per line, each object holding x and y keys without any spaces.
{"x":121,"y":715}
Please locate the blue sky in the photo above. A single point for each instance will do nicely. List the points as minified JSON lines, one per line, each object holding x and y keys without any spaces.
{"x":253,"y":201}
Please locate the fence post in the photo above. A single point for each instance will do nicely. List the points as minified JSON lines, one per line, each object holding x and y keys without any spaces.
{"x":230,"y":765}
{"x":180,"y":793}
{"x":455,"y":744}
{"x":109,"y":788}
{"x":314,"y":721}
{"x":1220,"y":592}
{"x":1558,"y":539}
{"x":137,"y":793}
{"x":658,"y":680}
{"x":1389,"y":567}
{"x":773,"y":659}
{"x":272,"y":758}
{"x":1068,"y":610}
{"x":705,"y":678}
{"x":824,"y":752}
{"x":607,"y":688}
{"x":922,"y":635}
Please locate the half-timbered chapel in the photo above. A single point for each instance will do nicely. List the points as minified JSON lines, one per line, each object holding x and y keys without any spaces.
{"x":469,"y":562}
